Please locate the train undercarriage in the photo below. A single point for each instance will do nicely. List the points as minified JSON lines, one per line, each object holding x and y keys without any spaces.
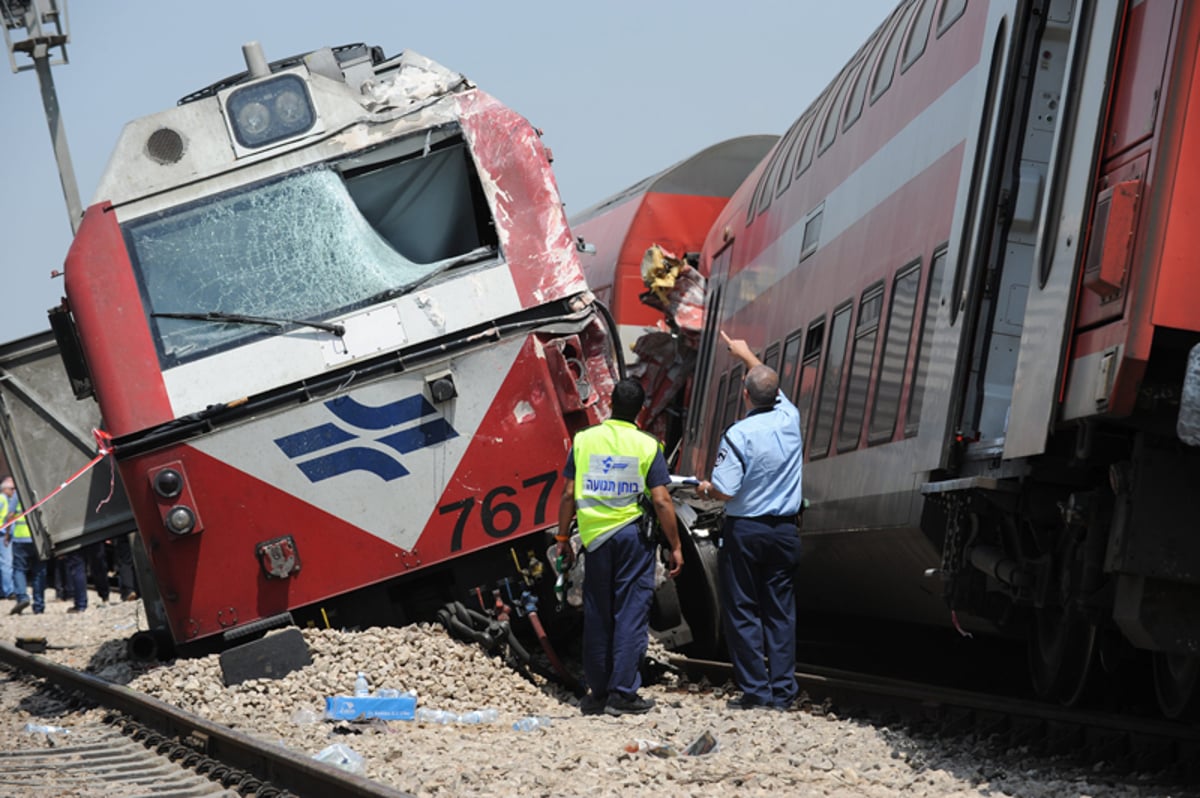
{"x":1089,"y":553}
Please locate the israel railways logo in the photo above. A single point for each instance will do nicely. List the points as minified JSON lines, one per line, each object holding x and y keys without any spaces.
{"x":365,"y":420}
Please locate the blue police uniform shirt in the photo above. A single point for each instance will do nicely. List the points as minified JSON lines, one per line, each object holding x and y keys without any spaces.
{"x":759,"y":462}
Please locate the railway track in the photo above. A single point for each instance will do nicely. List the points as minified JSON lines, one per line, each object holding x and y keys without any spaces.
{"x":144,"y":746}
{"x":1124,"y":742}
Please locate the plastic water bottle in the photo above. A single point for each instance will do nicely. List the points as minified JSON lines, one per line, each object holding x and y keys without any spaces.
{"x":479,"y":716}
{"x":440,"y":716}
{"x":37,"y":728}
{"x":532,"y":722}
{"x":361,"y":688}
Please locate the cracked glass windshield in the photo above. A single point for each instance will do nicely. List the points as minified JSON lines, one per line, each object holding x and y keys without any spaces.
{"x":306,"y":246}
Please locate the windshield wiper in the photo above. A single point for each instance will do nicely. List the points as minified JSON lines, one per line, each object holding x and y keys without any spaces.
{"x":481,"y":253}
{"x":240,"y":318}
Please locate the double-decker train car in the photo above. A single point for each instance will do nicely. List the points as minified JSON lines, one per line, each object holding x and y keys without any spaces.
{"x":335,"y":321}
{"x":971,"y":260}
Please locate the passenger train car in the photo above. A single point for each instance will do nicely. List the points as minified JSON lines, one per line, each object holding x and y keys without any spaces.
{"x":335,"y":321}
{"x":972,"y":260}
{"x":672,"y":210}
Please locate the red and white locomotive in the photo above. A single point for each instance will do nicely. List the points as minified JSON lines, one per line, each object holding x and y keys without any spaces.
{"x":335,"y":321}
{"x":972,"y":260}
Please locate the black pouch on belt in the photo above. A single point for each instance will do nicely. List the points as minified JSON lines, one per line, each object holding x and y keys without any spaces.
{"x":648,"y":521}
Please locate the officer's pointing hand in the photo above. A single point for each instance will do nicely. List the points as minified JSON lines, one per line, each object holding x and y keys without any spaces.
{"x":737,"y":347}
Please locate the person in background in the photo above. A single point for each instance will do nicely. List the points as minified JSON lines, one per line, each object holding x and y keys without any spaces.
{"x":29,"y":570}
{"x":123,"y":555}
{"x":7,"y":489}
{"x":757,"y":475}
{"x":610,"y":467}
{"x":77,"y":564}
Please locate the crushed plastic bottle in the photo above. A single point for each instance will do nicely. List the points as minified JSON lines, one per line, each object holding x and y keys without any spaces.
{"x":37,"y":728}
{"x":361,"y":687}
{"x":479,"y":716}
{"x":342,"y":756}
{"x":532,"y":722}
{"x":442,"y":716}
{"x":653,"y":748}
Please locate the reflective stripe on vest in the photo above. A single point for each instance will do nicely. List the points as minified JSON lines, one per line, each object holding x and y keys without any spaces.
{"x":611,"y":462}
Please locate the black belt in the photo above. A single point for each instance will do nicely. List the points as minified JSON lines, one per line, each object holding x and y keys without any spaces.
{"x":794,"y":518}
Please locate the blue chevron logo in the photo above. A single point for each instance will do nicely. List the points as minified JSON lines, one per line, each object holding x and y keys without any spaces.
{"x":394,"y":419}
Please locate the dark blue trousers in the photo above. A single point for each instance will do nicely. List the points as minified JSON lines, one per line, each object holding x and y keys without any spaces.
{"x":758,"y":605}
{"x":618,"y":586}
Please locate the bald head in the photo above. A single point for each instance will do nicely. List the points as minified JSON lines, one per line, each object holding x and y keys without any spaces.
{"x":762,"y":384}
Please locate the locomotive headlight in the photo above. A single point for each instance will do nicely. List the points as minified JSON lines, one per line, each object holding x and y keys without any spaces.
{"x":270,"y":111}
{"x":180,"y":520}
{"x":253,"y":119}
{"x":168,"y":483}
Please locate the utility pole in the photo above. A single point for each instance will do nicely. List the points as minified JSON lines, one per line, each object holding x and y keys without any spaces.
{"x":45,"y":30}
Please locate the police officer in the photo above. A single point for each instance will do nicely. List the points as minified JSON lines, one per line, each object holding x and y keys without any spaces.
{"x":26,"y":563}
{"x":757,"y":474}
{"x":609,"y":468}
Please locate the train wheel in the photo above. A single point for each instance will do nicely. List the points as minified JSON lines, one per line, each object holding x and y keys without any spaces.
{"x":1062,"y":649}
{"x":1177,"y":684}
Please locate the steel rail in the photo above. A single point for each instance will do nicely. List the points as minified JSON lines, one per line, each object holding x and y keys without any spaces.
{"x":848,"y":688}
{"x":269,"y":763}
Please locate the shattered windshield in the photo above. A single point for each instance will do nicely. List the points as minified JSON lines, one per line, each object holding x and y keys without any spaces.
{"x":305,"y":246}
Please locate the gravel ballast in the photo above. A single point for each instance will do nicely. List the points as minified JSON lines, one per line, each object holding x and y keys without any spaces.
{"x":758,"y":752}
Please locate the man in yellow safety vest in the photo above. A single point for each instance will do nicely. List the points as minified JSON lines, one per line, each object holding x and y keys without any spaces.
{"x":29,"y":570}
{"x":612,"y":466}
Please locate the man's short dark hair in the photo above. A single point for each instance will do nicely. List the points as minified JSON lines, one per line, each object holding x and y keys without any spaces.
{"x":627,"y":399}
{"x":762,"y":385}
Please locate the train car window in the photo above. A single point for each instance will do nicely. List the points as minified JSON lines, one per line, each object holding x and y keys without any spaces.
{"x":812,"y":233}
{"x":862,"y":363}
{"x":918,"y":35}
{"x":771,"y":358}
{"x":831,"y":380}
{"x":951,"y":11}
{"x":808,"y":147}
{"x":718,"y":273}
{"x":886,"y":67}
{"x":752,"y":205}
{"x":790,"y":364}
{"x":829,"y":127}
{"x":856,"y":97}
{"x":733,"y":396}
{"x":897,"y":342}
{"x":933,"y":294}
{"x":789,"y":160}
{"x":808,"y":372}
{"x":766,"y":187}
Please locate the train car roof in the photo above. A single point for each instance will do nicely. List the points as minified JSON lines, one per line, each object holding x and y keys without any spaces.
{"x":715,"y":171}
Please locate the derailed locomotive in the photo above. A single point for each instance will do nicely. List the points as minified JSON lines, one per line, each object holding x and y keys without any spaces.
{"x":972,"y":260}
{"x":335,"y":322}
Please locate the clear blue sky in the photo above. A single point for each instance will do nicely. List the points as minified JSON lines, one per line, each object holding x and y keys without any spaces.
{"x":621,"y":89}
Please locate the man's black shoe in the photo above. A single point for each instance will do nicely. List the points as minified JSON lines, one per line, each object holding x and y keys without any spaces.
{"x":744,"y":702}
{"x":592,"y":704}
{"x":628,"y":706}
{"x":20,"y":606}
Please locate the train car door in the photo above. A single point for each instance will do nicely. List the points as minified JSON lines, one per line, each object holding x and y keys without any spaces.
{"x":1008,"y":192}
{"x":1062,"y":220}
